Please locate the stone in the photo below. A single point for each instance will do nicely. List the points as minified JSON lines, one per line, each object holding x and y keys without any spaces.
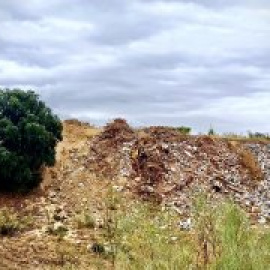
{"x":118,"y":188}
{"x":262,"y":220}
{"x":81,"y":185}
{"x":186,"y":224}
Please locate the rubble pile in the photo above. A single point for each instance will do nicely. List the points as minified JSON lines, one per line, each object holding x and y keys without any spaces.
{"x":262,"y":152}
{"x":107,"y":149}
{"x":260,"y":198}
{"x":162,"y":164}
{"x":162,"y":133}
{"x":165,"y":168}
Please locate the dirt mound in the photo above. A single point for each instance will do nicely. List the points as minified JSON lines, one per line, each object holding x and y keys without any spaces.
{"x":162,"y":133}
{"x":105,"y":149}
{"x":163,"y":165}
{"x":116,"y":133}
{"x":162,"y":168}
{"x":162,"y":162}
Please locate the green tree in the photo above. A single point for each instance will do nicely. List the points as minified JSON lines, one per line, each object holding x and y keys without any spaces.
{"x":29,"y":132}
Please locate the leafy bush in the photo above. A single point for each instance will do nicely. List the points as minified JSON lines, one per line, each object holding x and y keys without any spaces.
{"x":29,"y":133}
{"x":184,"y":130}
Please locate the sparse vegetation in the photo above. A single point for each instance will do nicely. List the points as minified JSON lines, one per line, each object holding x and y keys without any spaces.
{"x":184,"y":130}
{"x":222,"y":238}
{"x":150,"y":239}
{"x":106,"y":226}
{"x":85,"y":220}
{"x":10,"y":222}
{"x":211,"y":132}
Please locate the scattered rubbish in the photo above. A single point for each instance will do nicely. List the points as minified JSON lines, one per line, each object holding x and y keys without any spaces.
{"x":163,"y":165}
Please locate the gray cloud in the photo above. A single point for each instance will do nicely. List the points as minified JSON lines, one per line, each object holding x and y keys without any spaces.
{"x":196,"y":63}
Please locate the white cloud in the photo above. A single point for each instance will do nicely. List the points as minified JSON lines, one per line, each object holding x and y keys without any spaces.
{"x":155,"y":62}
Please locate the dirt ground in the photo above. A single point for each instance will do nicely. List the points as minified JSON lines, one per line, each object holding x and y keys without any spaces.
{"x":66,"y":190}
{"x":90,"y":161}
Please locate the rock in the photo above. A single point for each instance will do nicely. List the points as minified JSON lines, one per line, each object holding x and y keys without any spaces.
{"x":185,"y":225}
{"x":52,"y":194}
{"x":81,"y":185}
{"x":147,"y":189}
{"x":96,"y":248}
{"x":118,"y":188}
{"x":262,"y":220}
{"x":174,"y":238}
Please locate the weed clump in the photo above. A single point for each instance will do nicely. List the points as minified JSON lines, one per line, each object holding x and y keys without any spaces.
{"x":10,"y":222}
{"x":249,"y":161}
{"x":85,"y":220}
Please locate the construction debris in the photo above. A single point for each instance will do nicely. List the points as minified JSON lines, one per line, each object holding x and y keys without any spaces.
{"x":106,"y":149}
{"x":164,"y":165}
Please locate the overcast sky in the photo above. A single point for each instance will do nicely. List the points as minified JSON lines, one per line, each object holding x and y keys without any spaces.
{"x":195,"y":63}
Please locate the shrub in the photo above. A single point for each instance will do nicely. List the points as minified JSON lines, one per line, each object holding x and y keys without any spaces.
{"x":29,"y":133}
{"x":184,"y":130}
{"x":85,"y":220}
{"x":11,"y":223}
{"x":211,"y":132}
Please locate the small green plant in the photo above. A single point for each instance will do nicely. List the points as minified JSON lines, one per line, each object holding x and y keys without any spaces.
{"x":85,"y":220}
{"x":10,"y":222}
{"x":58,"y":229}
{"x":205,"y":218}
{"x":111,"y":224}
{"x":211,"y":132}
{"x":98,"y":248}
{"x":149,"y":239}
{"x":225,"y":239}
{"x":184,"y":130}
{"x":242,"y":247}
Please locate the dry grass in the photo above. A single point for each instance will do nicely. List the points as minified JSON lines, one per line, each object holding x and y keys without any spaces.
{"x":249,"y":161}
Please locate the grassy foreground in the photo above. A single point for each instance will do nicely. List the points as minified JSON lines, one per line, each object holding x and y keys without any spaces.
{"x":138,"y":236}
{"x":147,"y":237}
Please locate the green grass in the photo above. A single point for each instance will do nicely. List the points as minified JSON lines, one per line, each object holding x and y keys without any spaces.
{"x":148,"y":240}
{"x":142,"y":236}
